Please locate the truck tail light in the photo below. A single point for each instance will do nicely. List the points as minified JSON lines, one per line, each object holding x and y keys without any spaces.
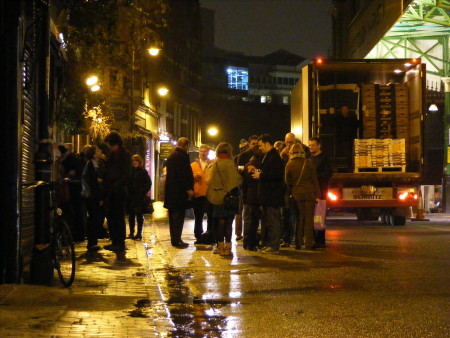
{"x":407,"y":195}
{"x":403,"y":196}
{"x":332,"y":196}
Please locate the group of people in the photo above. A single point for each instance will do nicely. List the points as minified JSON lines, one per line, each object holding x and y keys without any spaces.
{"x":278,"y":185}
{"x":113,"y":183}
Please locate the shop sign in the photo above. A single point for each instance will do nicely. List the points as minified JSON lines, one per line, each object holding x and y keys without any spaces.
{"x":165,"y":149}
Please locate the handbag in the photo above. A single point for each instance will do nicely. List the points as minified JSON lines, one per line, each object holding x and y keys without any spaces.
{"x":231,"y":201}
{"x":231,"y":198}
{"x":319,"y":215}
{"x":147,"y":207}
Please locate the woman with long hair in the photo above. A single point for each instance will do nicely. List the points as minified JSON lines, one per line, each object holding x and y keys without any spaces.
{"x":224,"y":179}
{"x":138,"y":186}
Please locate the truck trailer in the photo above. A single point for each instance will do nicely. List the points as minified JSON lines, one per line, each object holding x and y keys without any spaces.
{"x":369,"y":116}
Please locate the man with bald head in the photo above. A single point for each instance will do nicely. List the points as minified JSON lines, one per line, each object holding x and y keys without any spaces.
{"x":178,"y":190}
{"x":289,"y":140}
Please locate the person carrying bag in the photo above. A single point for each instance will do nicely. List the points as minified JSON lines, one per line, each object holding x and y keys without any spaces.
{"x":221,"y":193}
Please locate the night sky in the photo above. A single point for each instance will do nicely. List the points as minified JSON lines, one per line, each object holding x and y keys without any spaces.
{"x":259,"y":27}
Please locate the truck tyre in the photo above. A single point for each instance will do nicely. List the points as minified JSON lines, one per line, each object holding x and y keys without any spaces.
{"x":389,"y":218}
{"x":384,"y":217}
{"x":399,"y":220}
{"x":361,"y":214}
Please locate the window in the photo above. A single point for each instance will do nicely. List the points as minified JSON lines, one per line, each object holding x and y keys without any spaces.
{"x":237,"y":78}
{"x":266,"y":99}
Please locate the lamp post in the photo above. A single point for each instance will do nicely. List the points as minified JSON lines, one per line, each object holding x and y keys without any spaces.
{"x":446,"y":176}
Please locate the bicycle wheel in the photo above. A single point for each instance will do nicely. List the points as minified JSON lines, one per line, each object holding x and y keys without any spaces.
{"x":63,"y":252}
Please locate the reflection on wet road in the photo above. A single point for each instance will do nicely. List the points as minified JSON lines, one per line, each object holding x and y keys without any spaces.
{"x":368,"y":275}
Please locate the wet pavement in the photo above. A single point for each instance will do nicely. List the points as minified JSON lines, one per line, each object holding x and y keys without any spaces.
{"x":370,"y":281}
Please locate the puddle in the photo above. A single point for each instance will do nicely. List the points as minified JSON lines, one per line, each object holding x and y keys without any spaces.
{"x":142,"y":308}
{"x":192,"y":316}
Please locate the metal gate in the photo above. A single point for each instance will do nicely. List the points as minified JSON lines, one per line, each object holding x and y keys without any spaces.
{"x":27,"y":143}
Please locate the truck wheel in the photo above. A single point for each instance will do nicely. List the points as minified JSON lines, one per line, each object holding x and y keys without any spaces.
{"x":361,"y":214}
{"x":389,"y":218}
{"x":384,"y":217}
{"x":399,"y":220}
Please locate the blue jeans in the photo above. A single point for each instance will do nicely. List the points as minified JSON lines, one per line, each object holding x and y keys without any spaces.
{"x":271,"y":225}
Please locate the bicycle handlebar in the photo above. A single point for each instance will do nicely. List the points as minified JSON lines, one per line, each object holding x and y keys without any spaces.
{"x":36,"y":184}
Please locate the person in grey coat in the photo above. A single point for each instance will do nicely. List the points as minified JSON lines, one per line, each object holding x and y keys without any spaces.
{"x":301,"y":179}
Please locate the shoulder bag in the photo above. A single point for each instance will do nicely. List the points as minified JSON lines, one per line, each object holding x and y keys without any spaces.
{"x":230,"y":201}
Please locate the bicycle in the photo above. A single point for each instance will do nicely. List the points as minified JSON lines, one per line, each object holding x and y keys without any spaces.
{"x":61,"y":241}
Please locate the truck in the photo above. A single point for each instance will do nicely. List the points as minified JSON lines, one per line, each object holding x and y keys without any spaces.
{"x":379,"y":176}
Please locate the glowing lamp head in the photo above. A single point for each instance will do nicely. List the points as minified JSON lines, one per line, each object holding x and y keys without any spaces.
{"x":213,"y":131}
{"x":163,"y":91}
{"x":95,"y":88}
{"x":153,"y":51}
{"x":91,"y":80}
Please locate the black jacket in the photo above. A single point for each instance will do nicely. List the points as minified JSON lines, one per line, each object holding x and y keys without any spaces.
{"x":271,"y":180}
{"x":179,"y":179}
{"x":324,"y":171}
{"x":138,"y":186}
{"x":90,"y":183}
{"x":117,"y":174}
{"x":250,"y":185}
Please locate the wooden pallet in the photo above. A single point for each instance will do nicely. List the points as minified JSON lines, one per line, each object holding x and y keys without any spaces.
{"x":399,"y":168}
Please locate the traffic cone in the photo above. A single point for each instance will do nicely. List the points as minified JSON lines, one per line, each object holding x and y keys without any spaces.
{"x":411,"y":213}
{"x":420,"y":215}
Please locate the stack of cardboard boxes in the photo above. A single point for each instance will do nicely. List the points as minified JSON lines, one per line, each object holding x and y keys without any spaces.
{"x":385,"y":111}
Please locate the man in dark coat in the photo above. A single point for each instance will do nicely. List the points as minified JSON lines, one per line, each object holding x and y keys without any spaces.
{"x":324,"y":172}
{"x":118,"y":168}
{"x":241,"y":160}
{"x":179,"y":190}
{"x":270,"y":193}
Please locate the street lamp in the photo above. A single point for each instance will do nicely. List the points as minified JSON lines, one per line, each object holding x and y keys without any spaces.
{"x":162,"y":91}
{"x":92,"y":83}
{"x":95,"y":88}
{"x":213,"y":131}
{"x":153,"y":51}
{"x":433,"y":108}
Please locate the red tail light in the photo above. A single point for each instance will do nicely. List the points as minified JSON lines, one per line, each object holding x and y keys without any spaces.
{"x":332,"y":196}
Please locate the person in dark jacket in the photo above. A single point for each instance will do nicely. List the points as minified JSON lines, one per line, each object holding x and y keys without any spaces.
{"x":179,"y":189}
{"x":270,"y":193}
{"x":71,"y":168}
{"x":250,"y":199}
{"x":240,"y":160}
{"x":118,"y":169}
{"x":138,"y":186}
{"x":93,"y":194}
{"x":324,"y":172}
